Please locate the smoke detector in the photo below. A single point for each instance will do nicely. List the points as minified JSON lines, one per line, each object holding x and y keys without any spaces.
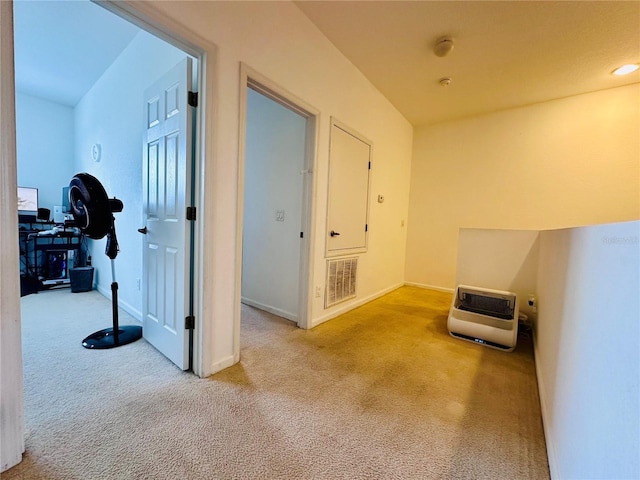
{"x":443,"y":46}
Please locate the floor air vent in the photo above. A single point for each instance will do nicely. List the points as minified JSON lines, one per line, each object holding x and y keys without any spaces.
{"x":341,"y":280}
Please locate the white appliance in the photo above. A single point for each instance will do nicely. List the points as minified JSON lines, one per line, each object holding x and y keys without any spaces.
{"x":485,"y":316}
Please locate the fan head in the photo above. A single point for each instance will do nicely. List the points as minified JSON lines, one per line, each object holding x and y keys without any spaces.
{"x":90,"y":206}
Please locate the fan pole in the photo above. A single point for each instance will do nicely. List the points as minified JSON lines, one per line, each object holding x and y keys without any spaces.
{"x":114,"y":302}
{"x":116,"y":336}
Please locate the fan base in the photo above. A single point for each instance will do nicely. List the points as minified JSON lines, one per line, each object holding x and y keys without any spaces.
{"x":106,"y":339}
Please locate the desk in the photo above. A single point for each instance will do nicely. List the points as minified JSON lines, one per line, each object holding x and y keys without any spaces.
{"x":47,"y":253}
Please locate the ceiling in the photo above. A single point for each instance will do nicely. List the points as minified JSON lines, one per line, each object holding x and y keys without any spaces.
{"x":63,"y":47}
{"x":507,"y":53}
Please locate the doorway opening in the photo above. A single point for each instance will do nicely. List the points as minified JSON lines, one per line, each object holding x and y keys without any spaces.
{"x":276,"y":191}
{"x":190,"y":44}
{"x":107,"y":119}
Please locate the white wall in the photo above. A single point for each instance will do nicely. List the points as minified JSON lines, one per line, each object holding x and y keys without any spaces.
{"x":111,"y":114}
{"x":45,"y":132}
{"x":274,"y":160}
{"x":279,"y":42}
{"x":500,"y":260}
{"x":587,"y":350}
{"x":558,"y":164}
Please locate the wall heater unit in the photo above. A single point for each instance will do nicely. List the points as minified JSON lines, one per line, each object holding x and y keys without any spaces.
{"x":488,"y":317}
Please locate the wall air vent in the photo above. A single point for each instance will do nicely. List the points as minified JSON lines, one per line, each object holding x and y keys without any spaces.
{"x":341,"y":280}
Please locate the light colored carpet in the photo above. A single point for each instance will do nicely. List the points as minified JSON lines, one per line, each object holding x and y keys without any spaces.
{"x":382,"y":392}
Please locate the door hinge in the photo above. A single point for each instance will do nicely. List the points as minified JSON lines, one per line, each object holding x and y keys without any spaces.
{"x":192,"y":99}
{"x":366,"y":227}
{"x":301,"y":234}
{"x":191,"y":213}
{"x":189,"y":322}
{"x":369,"y":165}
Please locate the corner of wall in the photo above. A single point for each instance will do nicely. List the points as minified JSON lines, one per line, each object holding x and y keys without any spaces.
{"x":587,"y":277}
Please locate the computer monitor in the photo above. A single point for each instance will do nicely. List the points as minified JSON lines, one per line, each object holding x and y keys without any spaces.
{"x":27,"y":200}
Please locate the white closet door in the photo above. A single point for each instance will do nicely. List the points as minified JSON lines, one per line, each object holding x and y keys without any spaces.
{"x":348,"y":202}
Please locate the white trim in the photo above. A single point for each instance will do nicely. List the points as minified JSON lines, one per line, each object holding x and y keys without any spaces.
{"x":353,"y":305}
{"x":546,"y":425}
{"x":224,"y":363}
{"x":242,"y":139}
{"x":430,"y":287}
{"x":144,"y":16}
{"x":12,"y":443}
{"x":308,"y":249}
{"x":124,"y":305}
{"x":163,"y":27}
{"x":267,"y":308}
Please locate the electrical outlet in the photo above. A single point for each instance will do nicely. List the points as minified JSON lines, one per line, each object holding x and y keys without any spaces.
{"x":138,"y":283}
{"x":533,"y":303}
{"x":318,"y":292}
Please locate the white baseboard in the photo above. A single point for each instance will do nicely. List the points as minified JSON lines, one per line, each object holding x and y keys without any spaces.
{"x":430,"y":287}
{"x":220,"y":365}
{"x":551,"y":456}
{"x":268,"y":308}
{"x":127,"y":307}
{"x":345,"y":307}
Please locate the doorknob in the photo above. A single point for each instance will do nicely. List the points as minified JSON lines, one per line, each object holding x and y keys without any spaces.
{"x":334,"y":234}
{"x":143,"y":230}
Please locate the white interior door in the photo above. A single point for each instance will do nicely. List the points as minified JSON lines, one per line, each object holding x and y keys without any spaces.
{"x":166,"y":184}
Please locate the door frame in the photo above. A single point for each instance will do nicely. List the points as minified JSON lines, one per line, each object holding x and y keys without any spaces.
{"x":12,"y":434}
{"x":180,"y":37}
{"x":250,"y":78}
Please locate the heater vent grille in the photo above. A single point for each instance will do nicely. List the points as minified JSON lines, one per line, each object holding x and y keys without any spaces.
{"x":341,"y":280}
{"x":492,"y":303}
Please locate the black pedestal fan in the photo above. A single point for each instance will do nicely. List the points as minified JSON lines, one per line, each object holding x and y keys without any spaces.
{"x":93,"y":213}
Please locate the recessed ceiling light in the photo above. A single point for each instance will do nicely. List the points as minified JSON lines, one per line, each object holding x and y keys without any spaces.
{"x":626,"y":69}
